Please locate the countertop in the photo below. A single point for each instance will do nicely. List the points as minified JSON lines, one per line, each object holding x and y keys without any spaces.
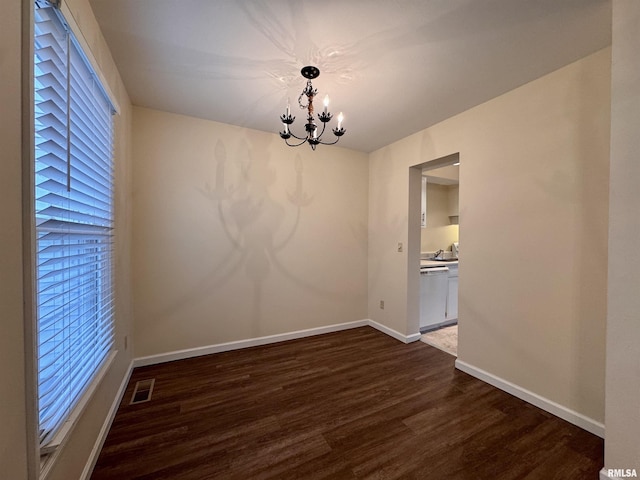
{"x":436,"y":263}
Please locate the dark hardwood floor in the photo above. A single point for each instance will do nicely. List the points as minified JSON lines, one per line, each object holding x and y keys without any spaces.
{"x":348,"y":405}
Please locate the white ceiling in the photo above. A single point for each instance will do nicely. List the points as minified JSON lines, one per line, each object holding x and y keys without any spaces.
{"x":393,"y":67}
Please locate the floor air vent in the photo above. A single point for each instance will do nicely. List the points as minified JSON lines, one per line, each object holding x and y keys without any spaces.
{"x":142,"y":392}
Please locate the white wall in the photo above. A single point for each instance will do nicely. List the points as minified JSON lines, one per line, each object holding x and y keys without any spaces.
{"x":622,"y":446}
{"x":237,"y":236}
{"x":72,"y":459}
{"x":533,"y":225}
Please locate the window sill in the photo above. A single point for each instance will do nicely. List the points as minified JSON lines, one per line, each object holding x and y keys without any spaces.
{"x":50,"y":452}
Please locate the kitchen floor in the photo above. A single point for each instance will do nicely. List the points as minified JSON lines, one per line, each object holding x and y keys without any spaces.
{"x":446,"y":339}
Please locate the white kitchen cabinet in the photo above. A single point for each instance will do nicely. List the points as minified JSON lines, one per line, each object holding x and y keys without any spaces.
{"x":423,"y":203}
{"x":453,"y":201}
{"x":433,"y":296}
{"x":453,"y":205}
{"x":452,"y":294}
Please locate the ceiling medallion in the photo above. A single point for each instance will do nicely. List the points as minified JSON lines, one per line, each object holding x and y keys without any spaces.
{"x":313,"y":137}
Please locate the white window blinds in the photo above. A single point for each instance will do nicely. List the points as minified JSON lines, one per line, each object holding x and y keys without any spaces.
{"x":74,"y":221}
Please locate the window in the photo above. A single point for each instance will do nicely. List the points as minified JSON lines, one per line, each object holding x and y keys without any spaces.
{"x":74,"y":221}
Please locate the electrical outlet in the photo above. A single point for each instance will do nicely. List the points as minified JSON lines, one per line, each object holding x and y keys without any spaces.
{"x":382,"y":304}
{"x":399,"y":246}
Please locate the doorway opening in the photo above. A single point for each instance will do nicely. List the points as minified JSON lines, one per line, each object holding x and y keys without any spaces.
{"x":433,"y":251}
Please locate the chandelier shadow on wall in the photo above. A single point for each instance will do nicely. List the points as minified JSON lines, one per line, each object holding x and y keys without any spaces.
{"x":313,"y":137}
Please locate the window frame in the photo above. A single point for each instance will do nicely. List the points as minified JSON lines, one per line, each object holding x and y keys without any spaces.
{"x":49,"y":452}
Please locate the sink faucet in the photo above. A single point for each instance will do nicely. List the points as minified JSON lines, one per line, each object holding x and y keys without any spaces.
{"x":437,"y":254}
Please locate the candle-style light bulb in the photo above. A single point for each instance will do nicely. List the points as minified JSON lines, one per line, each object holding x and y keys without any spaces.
{"x":340,"y":119}
{"x":326,"y":103}
{"x":288,"y":108}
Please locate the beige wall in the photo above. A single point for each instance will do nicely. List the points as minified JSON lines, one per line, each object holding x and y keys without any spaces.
{"x":439,"y":232}
{"x":13,"y":448}
{"x":531,"y":312}
{"x":533,"y":225}
{"x":622,"y":447}
{"x":13,"y":439}
{"x":238,"y":236}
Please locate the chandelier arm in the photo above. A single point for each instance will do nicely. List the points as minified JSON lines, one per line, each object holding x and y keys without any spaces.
{"x":295,"y":144}
{"x":324,"y":125}
{"x":295,"y":136}
{"x":329,"y":143}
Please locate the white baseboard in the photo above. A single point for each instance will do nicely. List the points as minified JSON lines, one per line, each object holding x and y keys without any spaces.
{"x":237,"y":345}
{"x":545,"y":404}
{"x":254,"y":342}
{"x":106,"y":426}
{"x":392,"y":333}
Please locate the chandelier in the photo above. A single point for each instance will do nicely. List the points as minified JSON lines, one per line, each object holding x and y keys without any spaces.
{"x":312,"y":137}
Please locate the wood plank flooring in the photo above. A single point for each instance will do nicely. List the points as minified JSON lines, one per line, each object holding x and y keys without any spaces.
{"x":348,"y":405}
